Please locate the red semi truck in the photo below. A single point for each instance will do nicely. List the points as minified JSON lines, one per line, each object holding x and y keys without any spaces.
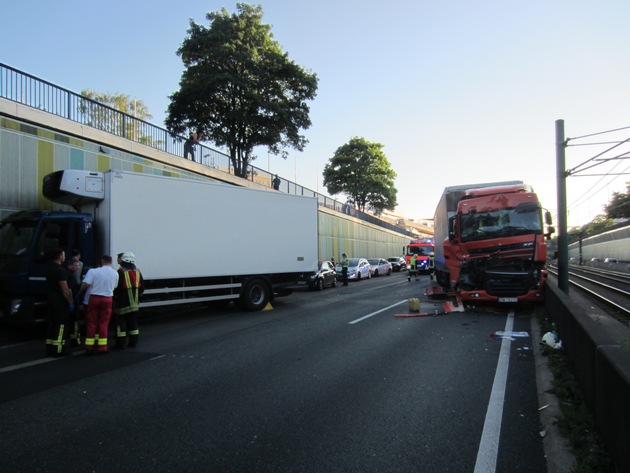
{"x":490,"y":242}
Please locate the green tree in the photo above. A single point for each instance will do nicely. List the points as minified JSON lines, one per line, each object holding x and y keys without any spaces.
{"x":360,"y":170}
{"x":240,"y":89}
{"x":106,"y":120}
{"x":619,"y":205}
{"x":599,"y":223}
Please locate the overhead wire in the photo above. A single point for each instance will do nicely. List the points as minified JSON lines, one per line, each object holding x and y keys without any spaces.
{"x":586,"y":196}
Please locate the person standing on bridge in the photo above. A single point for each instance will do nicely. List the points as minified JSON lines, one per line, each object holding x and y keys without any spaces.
{"x":345,"y":262}
{"x":190,"y":144}
{"x":276,"y":183}
{"x":127,"y":301}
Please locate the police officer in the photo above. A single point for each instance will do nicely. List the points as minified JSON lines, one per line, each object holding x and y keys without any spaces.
{"x":127,"y":301}
{"x":345,"y":262}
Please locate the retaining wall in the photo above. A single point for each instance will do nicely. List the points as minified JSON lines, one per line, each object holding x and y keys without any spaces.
{"x":599,"y":353}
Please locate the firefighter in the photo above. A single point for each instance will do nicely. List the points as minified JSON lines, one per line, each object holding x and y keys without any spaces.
{"x":127,"y":301}
{"x":413,"y":268}
{"x":60,"y":306}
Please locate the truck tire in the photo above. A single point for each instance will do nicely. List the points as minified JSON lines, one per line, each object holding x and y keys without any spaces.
{"x":256,"y":295}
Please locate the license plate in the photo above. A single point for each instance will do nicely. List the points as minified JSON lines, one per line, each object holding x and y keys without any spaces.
{"x":508,"y":299}
{"x":301,"y":282}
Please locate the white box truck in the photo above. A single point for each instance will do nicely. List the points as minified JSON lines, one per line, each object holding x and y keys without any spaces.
{"x":194,"y":241}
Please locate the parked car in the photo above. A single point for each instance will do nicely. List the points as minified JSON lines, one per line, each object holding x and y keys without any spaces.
{"x":611,"y":260}
{"x":380,"y":266}
{"x":398,"y":263}
{"x":595,"y":260}
{"x":358,"y":268}
{"x":324,"y":276}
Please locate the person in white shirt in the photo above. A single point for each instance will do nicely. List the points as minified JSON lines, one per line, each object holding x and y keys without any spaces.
{"x":101,"y":283}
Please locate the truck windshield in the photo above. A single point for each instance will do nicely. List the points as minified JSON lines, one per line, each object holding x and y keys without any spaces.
{"x":16,"y":238}
{"x":522,"y":220}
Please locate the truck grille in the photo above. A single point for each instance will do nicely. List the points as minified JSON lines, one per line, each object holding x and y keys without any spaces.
{"x":504,"y":284}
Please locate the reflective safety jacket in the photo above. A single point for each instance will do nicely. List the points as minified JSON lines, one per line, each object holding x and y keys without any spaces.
{"x":413,"y":262}
{"x":345,"y":262}
{"x":130,"y":288}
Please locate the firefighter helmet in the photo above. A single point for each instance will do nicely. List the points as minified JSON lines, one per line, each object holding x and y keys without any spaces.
{"x":128,"y":257}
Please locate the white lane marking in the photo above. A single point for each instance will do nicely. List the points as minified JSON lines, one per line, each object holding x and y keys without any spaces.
{"x":6,"y":369}
{"x":4,"y":347}
{"x":377,"y":312}
{"x":489,"y":444}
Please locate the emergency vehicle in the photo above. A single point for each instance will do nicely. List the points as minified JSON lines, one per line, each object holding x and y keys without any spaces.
{"x":423,"y":249}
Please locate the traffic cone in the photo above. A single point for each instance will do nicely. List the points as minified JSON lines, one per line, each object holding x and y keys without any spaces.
{"x":268,"y":306}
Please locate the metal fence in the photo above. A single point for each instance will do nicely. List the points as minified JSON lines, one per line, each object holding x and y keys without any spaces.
{"x":29,"y":90}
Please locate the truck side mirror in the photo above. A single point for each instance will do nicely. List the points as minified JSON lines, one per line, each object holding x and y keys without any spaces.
{"x":550,"y":231}
{"x":548,"y":219}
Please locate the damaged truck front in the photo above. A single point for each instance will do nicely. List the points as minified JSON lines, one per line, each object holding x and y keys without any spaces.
{"x":490,"y":242}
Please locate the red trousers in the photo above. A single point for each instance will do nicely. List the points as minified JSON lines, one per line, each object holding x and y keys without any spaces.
{"x":99,"y":312}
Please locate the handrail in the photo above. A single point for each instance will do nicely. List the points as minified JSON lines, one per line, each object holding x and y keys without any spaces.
{"x":34,"y":92}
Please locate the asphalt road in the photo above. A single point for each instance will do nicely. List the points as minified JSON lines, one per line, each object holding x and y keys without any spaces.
{"x":327,"y":381}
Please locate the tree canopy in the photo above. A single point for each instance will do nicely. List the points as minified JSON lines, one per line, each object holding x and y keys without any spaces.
{"x":360,"y":170}
{"x":122,"y":102}
{"x":619,"y":205}
{"x":239,"y":88}
{"x":103,"y":119}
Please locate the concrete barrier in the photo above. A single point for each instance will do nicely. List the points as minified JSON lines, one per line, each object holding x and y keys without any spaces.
{"x":598,"y":353}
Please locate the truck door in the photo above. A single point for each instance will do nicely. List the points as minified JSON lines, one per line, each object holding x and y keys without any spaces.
{"x":52,"y":234}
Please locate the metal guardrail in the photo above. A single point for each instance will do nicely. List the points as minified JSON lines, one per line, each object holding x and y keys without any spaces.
{"x":31,"y":91}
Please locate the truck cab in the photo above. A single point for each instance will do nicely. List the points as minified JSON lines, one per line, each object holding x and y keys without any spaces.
{"x":495,"y":250}
{"x":27,"y":239}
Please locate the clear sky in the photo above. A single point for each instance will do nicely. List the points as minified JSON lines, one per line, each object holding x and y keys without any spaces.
{"x":458,"y":92}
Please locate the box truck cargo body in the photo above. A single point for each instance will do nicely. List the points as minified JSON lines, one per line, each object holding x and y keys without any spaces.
{"x":489,"y":242}
{"x":193,"y":241}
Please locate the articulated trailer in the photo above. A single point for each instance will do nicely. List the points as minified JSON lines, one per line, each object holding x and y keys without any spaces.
{"x":194,"y":241}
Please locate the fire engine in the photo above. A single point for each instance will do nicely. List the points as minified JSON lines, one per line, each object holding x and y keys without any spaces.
{"x":422,"y":248}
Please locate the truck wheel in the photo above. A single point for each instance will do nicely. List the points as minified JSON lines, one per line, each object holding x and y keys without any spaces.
{"x":256,"y":295}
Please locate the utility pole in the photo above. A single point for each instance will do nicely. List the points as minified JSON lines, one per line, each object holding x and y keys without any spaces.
{"x":561,"y":183}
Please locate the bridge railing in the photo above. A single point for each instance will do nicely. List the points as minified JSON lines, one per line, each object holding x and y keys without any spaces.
{"x":31,"y":91}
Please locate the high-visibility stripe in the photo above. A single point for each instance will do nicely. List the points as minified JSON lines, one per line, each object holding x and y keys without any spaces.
{"x":102,"y":342}
{"x":133,"y":292}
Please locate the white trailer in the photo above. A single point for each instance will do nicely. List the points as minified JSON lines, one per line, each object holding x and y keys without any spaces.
{"x":197,"y":241}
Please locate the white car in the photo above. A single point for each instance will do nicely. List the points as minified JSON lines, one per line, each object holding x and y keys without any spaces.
{"x":380,"y":266}
{"x":358,"y":268}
